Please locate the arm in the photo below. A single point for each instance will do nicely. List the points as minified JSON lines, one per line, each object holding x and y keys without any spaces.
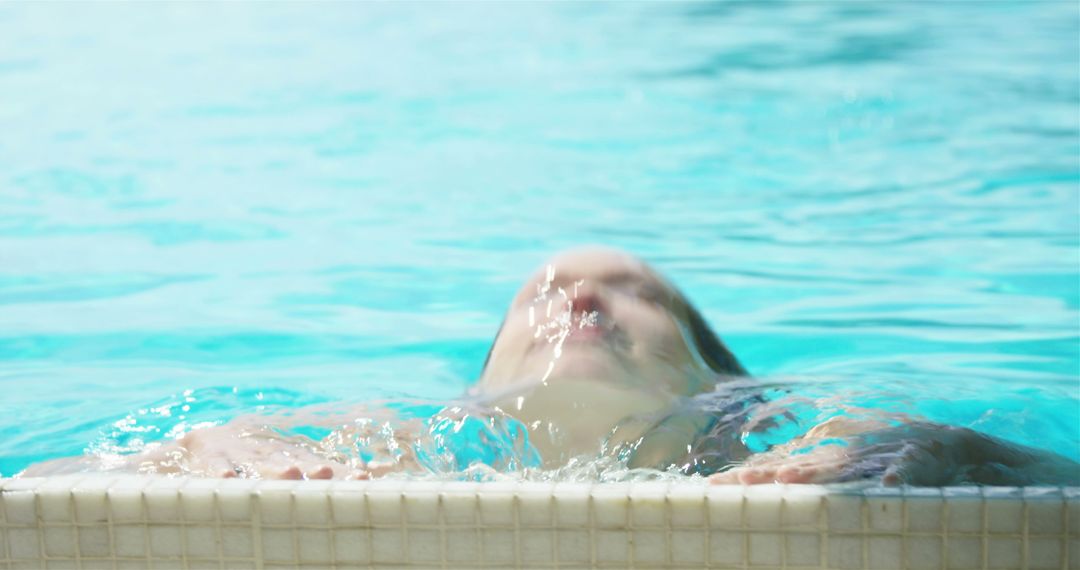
{"x":911,"y":453}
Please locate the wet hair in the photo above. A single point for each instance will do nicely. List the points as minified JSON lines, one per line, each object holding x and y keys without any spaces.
{"x":713,"y":350}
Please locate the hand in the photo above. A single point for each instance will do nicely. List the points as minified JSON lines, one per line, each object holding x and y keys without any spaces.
{"x":916,"y":453}
{"x":244,"y":451}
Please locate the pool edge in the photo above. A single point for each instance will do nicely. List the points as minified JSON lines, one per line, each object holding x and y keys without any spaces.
{"x":105,"y":521}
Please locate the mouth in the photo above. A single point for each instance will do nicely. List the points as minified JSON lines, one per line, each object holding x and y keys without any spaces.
{"x":587,"y":333}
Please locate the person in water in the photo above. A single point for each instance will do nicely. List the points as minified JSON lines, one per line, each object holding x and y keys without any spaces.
{"x":598,"y":355}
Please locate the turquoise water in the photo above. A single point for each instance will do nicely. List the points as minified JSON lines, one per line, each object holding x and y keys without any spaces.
{"x":208,"y":209}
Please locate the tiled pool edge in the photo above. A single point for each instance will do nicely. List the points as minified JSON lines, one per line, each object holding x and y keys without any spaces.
{"x":138,"y":522}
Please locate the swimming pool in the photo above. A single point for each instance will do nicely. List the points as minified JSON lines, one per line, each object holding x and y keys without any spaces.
{"x":207,"y":209}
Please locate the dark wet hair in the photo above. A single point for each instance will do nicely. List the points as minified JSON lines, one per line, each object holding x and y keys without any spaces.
{"x":712,"y":349}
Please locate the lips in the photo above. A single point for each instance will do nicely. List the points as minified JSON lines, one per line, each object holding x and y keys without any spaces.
{"x":587,"y":333}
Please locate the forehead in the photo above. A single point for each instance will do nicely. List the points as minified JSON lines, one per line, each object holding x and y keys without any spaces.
{"x":595,"y":265}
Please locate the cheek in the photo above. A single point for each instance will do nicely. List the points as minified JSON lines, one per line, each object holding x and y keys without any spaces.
{"x":659,"y":334}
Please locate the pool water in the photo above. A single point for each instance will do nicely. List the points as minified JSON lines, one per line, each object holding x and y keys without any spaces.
{"x":213,"y":209}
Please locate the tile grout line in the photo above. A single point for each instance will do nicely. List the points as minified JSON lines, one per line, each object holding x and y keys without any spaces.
{"x":370,"y":531}
{"x":864,"y":524}
{"x":75,"y":523}
{"x":440,"y":520}
{"x":823,"y":531}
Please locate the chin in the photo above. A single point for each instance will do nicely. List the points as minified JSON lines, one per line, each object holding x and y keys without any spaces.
{"x":589,"y":364}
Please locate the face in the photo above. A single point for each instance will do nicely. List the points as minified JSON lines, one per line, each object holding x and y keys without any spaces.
{"x":596,"y":314}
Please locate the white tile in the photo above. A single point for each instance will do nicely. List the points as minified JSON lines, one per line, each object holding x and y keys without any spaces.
{"x":535,"y":509}
{"x":385,"y":508}
{"x":421,"y":506}
{"x":688,"y":547}
{"x":1044,"y":553}
{"x":537,"y":547}
{"x":130,"y":565}
{"x":844,"y":512}
{"x":573,"y":547}
{"x":1046,"y":516}
{"x":1002,"y":552}
{"x":236,"y":542}
{"x":275,"y":505}
{"x":845,"y":552}
{"x":766,"y":549}
{"x":61,"y":565}
{"x":311,"y":508}
{"x":1074,"y":554}
{"x":965,"y":509}
{"x":125,"y":504}
{"x":1072,"y":500}
{"x":725,"y":506}
{"x":169,"y":565}
{"x":348,"y":508}
{"x":1005,"y":516}
{"x":387,"y":546}
{"x":884,"y":552}
{"x":90,"y":505}
{"x":687,"y":505}
{"x":277,"y":545}
{"x":424,"y":546}
{"x":196,"y":505}
{"x":885,"y":514}
{"x":23,"y":484}
{"x":162,"y":504}
{"x":496,"y":508}
{"x":459,"y":508}
{"x":55,"y":504}
{"x":964,"y":553}
{"x":165,"y":541}
{"x":610,"y":506}
{"x":925,"y":514}
{"x":202,"y":542}
{"x":726,"y":547}
{"x":924,"y":552}
{"x":130,"y":541}
{"x":462,"y":545}
{"x":94,"y":541}
{"x":612,"y":546}
{"x":802,"y":507}
{"x":60,"y":541}
{"x":235,"y":502}
{"x":571,"y":506}
{"x":499,"y":546}
{"x":763,"y":506}
{"x":313,"y":546}
{"x":20,"y":508}
{"x":89,"y":564}
{"x":648,"y":506}
{"x":802,"y":550}
{"x":351,"y":545}
{"x":650,"y":547}
{"x":24,"y":543}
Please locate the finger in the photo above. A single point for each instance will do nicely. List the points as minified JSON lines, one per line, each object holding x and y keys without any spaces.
{"x":321,"y":472}
{"x":291,"y":472}
{"x":730,"y":477}
{"x":796,"y":474}
{"x":756,"y":476}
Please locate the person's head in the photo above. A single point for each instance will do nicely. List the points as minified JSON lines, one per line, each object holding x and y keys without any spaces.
{"x":602,"y":314}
